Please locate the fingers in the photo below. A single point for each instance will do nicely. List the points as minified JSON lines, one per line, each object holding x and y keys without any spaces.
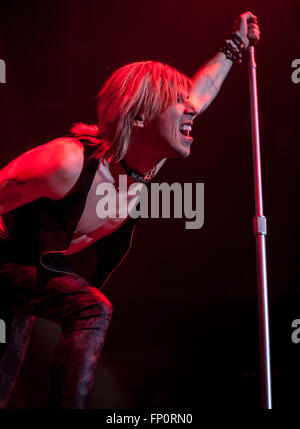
{"x":248,"y":21}
{"x":246,"y":25}
{"x":253,"y":28}
{"x":253,"y":32}
{"x":249,"y":16}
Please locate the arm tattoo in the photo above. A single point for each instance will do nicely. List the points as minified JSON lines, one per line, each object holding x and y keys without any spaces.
{"x":15,"y":180}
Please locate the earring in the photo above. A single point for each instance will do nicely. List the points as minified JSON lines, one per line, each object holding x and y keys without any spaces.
{"x":138,"y":123}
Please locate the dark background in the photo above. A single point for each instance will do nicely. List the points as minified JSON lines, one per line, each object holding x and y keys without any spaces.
{"x":185,"y":328}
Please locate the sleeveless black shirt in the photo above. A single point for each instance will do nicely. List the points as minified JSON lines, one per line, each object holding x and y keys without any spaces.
{"x":43,"y":228}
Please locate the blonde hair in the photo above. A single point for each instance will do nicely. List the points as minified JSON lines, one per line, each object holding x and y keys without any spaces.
{"x":138,"y":89}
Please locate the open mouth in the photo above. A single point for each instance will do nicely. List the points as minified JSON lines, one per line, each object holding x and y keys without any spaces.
{"x":185,"y":129}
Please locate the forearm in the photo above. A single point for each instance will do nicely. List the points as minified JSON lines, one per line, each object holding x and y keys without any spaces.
{"x":208,"y":80}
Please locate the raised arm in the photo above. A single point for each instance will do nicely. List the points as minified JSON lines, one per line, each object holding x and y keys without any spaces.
{"x":49,"y":170}
{"x":209,"y":78}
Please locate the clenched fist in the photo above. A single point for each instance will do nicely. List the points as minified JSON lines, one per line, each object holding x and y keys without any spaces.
{"x":247,"y":28}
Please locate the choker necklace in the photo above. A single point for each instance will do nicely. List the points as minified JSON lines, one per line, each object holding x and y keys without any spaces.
{"x":144,"y":178}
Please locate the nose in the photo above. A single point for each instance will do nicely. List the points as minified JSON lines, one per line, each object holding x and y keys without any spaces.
{"x":190,"y":109}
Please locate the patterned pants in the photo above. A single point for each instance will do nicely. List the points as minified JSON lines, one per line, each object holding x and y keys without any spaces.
{"x":80,"y":309}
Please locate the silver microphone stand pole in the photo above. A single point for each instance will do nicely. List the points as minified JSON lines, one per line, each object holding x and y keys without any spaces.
{"x":260,"y":232}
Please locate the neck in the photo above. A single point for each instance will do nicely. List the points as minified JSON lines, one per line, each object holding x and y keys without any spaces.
{"x":137,"y":161}
{"x":141,"y":166}
{"x":143,"y":160}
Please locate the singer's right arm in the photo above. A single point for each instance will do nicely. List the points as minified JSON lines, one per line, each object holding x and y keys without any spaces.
{"x":49,"y":170}
{"x":207,"y":82}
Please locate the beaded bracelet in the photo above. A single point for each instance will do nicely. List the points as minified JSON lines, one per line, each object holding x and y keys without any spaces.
{"x":236,"y":38}
{"x":231,"y":52}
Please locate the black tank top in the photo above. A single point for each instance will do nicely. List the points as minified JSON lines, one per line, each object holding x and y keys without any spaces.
{"x":43,"y":228}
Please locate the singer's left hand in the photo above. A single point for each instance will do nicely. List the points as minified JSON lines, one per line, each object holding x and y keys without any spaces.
{"x":246,"y":26}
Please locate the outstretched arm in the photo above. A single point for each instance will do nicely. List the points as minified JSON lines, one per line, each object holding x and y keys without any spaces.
{"x":209,"y":78}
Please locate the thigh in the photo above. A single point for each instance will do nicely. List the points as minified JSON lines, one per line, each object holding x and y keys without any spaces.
{"x":46,"y":294}
{"x":64,"y":299}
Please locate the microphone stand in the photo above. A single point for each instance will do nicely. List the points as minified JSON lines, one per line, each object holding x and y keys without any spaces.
{"x":260,"y":232}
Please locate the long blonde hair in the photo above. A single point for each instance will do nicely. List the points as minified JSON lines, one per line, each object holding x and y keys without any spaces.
{"x":141,"y":88}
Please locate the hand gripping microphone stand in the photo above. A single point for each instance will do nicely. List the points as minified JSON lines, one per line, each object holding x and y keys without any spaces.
{"x":260,"y":232}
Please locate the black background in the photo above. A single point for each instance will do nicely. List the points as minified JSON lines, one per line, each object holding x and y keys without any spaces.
{"x":185,"y":328}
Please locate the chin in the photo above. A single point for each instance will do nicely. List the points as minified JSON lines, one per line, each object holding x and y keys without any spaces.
{"x":180,"y":149}
{"x":185,"y":152}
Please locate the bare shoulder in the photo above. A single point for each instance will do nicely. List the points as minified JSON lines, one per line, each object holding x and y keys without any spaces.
{"x":49,"y":170}
{"x":65,"y":156}
{"x":53,"y":166}
{"x":66,"y":152}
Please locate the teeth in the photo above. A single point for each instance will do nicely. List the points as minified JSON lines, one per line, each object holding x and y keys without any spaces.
{"x":186,"y":127}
